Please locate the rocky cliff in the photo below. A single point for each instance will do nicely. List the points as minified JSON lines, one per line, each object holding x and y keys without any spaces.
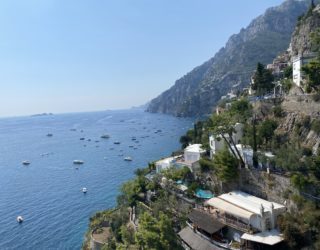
{"x":198,"y":91}
{"x":301,"y":37}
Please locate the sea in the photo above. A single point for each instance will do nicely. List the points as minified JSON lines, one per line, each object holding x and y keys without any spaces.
{"x":48,"y":192}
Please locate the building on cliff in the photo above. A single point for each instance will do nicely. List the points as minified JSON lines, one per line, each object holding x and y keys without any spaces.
{"x":297,"y":63}
{"x":235,"y":217}
{"x":217,"y":143}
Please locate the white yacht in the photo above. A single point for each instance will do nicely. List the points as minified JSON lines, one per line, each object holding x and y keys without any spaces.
{"x":26,"y":163}
{"x":84,"y":190}
{"x":20,"y":219}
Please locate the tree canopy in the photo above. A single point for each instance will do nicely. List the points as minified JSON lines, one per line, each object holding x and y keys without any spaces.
{"x":262,"y":80}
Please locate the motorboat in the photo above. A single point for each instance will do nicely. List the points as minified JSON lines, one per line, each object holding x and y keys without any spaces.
{"x":78,"y":162}
{"x":128,"y":158}
{"x":49,"y":135}
{"x":105,"y":136}
{"x":116,"y":142}
{"x":82,"y":139}
{"x":84,"y":190}
{"x":26,"y":163}
{"x":19,"y":219}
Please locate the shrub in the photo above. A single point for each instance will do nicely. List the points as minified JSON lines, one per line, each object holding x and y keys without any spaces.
{"x":315,"y":126}
{"x":206,"y":165}
{"x":277,"y":111}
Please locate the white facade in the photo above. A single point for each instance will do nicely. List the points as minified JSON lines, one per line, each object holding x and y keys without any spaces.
{"x":296,"y":71}
{"x":258,"y":213}
{"x":297,"y":63}
{"x":192,"y":153}
{"x":217,"y":143}
{"x":163,"y":164}
{"x":246,"y":154}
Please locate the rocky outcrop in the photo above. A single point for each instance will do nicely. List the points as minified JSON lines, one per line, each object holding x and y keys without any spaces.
{"x":301,"y":38}
{"x":198,"y":92}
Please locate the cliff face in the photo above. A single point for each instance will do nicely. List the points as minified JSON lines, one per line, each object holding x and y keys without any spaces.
{"x":198,"y":92}
{"x":301,"y":37}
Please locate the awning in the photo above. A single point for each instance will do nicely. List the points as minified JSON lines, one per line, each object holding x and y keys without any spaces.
{"x":204,"y":221}
{"x":271,"y":237}
{"x":229,"y":208}
{"x":195,"y":241}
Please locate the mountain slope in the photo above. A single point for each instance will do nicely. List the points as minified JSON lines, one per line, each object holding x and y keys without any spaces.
{"x":198,"y":91}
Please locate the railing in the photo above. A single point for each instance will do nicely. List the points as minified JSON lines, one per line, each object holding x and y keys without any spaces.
{"x":233,"y":223}
{"x":229,"y":222}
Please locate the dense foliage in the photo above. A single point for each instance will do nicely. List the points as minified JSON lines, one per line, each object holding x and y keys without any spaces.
{"x":262,"y":80}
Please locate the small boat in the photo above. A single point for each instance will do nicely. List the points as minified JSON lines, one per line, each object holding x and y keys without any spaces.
{"x":128,"y":158}
{"x":73,"y":129}
{"x":116,"y":142}
{"x":26,"y":163}
{"x":19,"y":219}
{"x":82,"y":139}
{"x":84,"y":190}
{"x":78,"y":162}
{"x":49,"y":135}
{"x":105,"y":136}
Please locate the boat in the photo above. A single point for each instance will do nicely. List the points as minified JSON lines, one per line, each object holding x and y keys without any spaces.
{"x":82,"y":138}
{"x":84,"y":190}
{"x":49,"y":135}
{"x":116,"y":142}
{"x":78,"y":162}
{"x":105,"y":136}
{"x":26,"y":163}
{"x":19,"y":219}
{"x":128,"y":158}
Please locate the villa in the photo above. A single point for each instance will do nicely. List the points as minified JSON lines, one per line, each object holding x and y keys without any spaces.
{"x":164,"y":164}
{"x":193,"y":153}
{"x":297,"y":63}
{"x":237,"y":217}
{"x":217,"y":143}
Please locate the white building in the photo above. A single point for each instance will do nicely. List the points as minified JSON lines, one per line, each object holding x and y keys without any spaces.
{"x":297,"y":63}
{"x":246,"y":153}
{"x":192,"y":153}
{"x":247,"y":211}
{"x":217,"y":142}
{"x":164,"y":164}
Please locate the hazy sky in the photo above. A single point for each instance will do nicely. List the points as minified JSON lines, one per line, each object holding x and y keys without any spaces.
{"x":84,"y":55}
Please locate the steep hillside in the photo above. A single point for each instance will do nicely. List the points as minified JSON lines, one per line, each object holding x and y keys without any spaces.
{"x":197,"y":92}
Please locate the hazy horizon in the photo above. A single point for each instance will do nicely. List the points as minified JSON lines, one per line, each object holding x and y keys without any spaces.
{"x":80,"y":56}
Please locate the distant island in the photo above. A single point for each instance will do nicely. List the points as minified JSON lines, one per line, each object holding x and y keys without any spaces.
{"x":42,"y":114}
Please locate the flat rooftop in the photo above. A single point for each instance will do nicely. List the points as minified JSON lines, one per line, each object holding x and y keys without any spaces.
{"x":244,"y":201}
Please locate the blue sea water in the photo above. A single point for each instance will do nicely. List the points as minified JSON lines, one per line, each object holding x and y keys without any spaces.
{"x":47,"y":193}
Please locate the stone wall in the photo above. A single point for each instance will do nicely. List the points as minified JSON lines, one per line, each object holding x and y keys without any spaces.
{"x":271,"y":187}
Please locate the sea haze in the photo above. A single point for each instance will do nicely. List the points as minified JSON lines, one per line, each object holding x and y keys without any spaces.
{"x":47,"y":193}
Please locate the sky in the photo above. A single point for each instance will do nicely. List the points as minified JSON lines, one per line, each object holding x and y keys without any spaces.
{"x":65,"y":56}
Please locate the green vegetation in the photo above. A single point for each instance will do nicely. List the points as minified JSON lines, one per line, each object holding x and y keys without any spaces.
{"x":263,"y":80}
{"x":156,"y":233}
{"x":226,"y":165}
{"x":302,"y":227}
